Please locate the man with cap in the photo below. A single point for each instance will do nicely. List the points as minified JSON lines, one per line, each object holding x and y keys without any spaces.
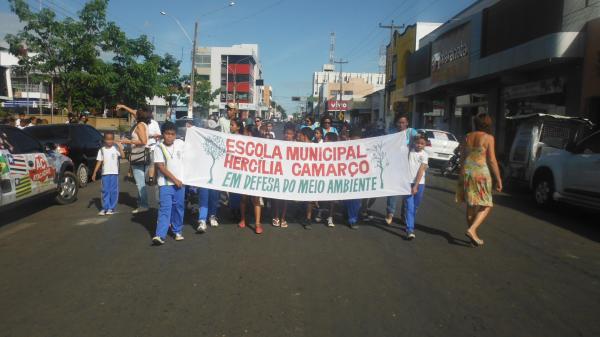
{"x":224,"y":121}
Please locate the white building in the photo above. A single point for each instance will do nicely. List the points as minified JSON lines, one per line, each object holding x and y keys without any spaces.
{"x":235,"y":70}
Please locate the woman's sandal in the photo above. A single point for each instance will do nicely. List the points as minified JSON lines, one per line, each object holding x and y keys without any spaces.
{"x":276,"y":223}
{"x":242,"y":224}
{"x":284,"y":224}
{"x":258,"y":229}
{"x":475,"y":243}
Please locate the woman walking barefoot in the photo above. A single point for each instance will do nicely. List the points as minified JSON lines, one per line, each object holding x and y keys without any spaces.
{"x":475,"y":179}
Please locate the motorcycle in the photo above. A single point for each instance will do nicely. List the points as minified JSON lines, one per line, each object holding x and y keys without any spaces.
{"x":453,"y":165}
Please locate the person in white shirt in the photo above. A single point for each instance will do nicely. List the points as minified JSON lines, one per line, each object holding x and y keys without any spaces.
{"x":168,"y":158}
{"x":224,"y":122}
{"x":417,"y":165}
{"x":108,"y":158}
{"x":153,"y":132}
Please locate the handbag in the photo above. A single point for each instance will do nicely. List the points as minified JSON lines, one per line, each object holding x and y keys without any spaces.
{"x":139,"y":156}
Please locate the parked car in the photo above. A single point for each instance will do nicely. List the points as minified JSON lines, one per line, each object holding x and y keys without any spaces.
{"x":571,"y":175}
{"x":28,"y":170}
{"x":440,"y":147}
{"x":537,"y":135}
{"x":79,"y":142}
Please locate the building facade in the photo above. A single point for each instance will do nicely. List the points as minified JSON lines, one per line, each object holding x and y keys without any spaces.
{"x":398,"y":50}
{"x":354,"y":87}
{"x":506,"y":59}
{"x":235,"y":71}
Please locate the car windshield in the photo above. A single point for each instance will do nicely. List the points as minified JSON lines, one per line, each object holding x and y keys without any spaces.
{"x":440,"y":135}
{"x":49,"y":132}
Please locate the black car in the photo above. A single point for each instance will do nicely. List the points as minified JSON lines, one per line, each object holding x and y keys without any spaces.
{"x":79,"y":142}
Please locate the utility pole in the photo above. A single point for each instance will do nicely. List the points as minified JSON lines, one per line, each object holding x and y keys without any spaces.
{"x":341,"y":62}
{"x":391,"y":27}
{"x":190,"y":113}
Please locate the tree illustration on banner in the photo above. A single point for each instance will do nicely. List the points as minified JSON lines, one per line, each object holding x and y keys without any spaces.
{"x":214,"y":146}
{"x":381,"y":160}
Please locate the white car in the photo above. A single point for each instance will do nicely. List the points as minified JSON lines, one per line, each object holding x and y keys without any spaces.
{"x":440,"y":147}
{"x":571,"y":175}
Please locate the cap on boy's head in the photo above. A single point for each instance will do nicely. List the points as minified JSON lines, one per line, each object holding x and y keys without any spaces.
{"x":169,"y":126}
{"x":231,"y":106}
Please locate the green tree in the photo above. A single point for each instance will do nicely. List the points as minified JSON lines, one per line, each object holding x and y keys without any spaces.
{"x":69,"y":51}
{"x":65,"y":50}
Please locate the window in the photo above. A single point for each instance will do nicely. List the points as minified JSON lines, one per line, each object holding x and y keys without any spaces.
{"x":203,"y":61}
{"x":22,"y":142}
{"x":49,"y":133}
{"x":94,"y":137}
{"x":394,"y":70}
{"x":348,"y":92}
{"x":591,"y":145}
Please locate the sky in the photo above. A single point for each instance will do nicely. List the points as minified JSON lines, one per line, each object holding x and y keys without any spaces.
{"x":292,"y":35}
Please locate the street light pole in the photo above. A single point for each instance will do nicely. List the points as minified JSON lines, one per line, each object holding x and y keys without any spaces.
{"x":190,"y":113}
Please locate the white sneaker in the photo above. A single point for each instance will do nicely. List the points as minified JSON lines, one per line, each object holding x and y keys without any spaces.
{"x":330,"y":222}
{"x":139,"y":210}
{"x":158,"y":241}
{"x":411,"y":236}
{"x":110,"y":212}
{"x":201,"y":226}
{"x":179,"y":237}
{"x":213,"y":221}
{"x":319,"y":216}
{"x":102,"y":212}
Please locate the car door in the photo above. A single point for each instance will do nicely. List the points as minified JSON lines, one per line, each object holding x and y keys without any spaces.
{"x":582,"y":173}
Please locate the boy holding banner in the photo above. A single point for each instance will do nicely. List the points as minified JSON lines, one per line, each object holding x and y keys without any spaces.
{"x":168,"y":158}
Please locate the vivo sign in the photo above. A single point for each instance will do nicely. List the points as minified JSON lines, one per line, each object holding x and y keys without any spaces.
{"x":338,"y":105}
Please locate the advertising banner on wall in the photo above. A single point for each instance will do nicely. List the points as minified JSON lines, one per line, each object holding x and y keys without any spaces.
{"x":365,"y":168}
{"x":450,"y":55}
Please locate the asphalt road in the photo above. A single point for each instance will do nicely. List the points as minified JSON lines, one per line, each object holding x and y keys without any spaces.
{"x":67,"y":272}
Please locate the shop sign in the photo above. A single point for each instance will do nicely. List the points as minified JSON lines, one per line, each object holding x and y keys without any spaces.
{"x":532,"y":89}
{"x":338,"y":105}
{"x":450,"y":56}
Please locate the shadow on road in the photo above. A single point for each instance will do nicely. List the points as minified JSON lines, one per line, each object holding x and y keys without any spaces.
{"x":577,"y":220}
{"x":17,"y":213}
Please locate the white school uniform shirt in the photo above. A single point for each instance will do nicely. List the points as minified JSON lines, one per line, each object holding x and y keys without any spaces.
{"x":153,"y":131}
{"x":110,"y":159}
{"x":415,"y":160}
{"x":173,"y":160}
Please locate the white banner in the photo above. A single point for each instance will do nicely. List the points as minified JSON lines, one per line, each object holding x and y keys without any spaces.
{"x":364,"y":168}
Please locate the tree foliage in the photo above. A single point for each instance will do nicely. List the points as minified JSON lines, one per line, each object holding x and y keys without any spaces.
{"x":91,"y":60}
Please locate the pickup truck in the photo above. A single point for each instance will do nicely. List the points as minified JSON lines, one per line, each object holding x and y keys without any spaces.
{"x":571,"y":175}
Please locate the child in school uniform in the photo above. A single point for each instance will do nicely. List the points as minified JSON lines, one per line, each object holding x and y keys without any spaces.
{"x":417,"y":165}
{"x":108,"y":158}
{"x":168,"y":158}
{"x":280,"y":206}
{"x":353,"y":206}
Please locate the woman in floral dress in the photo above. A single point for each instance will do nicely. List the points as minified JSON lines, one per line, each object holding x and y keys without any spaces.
{"x":478,"y":164}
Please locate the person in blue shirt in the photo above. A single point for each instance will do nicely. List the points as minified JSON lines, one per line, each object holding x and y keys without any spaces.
{"x":326,"y":125}
{"x":401,"y":123}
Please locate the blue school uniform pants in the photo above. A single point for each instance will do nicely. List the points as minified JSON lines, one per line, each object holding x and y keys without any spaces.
{"x":110,"y":191}
{"x":208,"y":203}
{"x":412,"y":205}
{"x":171,"y":209}
{"x":353,"y":209}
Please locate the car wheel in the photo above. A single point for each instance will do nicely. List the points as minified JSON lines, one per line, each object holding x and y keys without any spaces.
{"x":83,"y":175}
{"x":543,"y":190}
{"x":67,"y":188}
